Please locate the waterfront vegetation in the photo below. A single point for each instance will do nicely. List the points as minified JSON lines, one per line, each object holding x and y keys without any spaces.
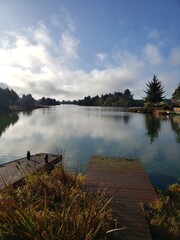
{"x":10,"y":101}
{"x":155,"y":91}
{"x":53,"y":206}
{"x":117,"y":99}
{"x":164,"y":215}
{"x":154,"y":94}
{"x":56,"y":205}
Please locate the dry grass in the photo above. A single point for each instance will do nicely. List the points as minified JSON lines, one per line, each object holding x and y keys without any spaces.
{"x":53,"y":206}
{"x":164,"y":215}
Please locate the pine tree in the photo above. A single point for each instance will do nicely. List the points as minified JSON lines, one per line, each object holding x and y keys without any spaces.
{"x":7,"y":97}
{"x":176,"y":96}
{"x":155,"y":91}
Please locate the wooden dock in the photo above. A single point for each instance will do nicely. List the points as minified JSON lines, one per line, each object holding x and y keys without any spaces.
{"x":13,"y":172}
{"x":134,"y":189}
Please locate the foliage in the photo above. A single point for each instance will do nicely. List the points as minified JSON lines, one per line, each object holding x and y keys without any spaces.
{"x":47,"y":101}
{"x":7,"y":97}
{"x":118,"y":99}
{"x":164,"y":215}
{"x":53,"y":206}
{"x":28,"y":99}
{"x":154,"y":92}
{"x":176,"y":96}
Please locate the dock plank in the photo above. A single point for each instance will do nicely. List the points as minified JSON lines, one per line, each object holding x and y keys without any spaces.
{"x":14,"y":171}
{"x":134,"y":188}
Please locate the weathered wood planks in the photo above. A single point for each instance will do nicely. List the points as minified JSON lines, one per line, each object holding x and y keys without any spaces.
{"x":134,"y":188}
{"x":13,"y":172}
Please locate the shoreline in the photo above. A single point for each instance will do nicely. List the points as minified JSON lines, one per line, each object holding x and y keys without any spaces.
{"x":15,"y":108}
{"x":155,"y":111}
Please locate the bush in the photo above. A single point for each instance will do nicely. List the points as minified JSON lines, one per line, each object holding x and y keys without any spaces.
{"x":164,"y":215}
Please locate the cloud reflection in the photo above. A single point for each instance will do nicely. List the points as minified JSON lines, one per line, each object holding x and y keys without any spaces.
{"x":82,"y":132}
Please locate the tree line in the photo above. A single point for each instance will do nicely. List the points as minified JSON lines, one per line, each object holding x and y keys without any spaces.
{"x":154,"y":95}
{"x":117,"y":99}
{"x":9,"y":97}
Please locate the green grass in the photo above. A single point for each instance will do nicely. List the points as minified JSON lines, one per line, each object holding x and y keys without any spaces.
{"x":52,"y":206}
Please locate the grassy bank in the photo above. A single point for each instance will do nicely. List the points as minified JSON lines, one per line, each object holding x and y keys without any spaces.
{"x":56,"y":206}
{"x":164,"y":215}
{"x":53,"y":206}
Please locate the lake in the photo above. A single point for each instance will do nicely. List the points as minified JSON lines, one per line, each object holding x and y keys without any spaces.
{"x":80,"y":132}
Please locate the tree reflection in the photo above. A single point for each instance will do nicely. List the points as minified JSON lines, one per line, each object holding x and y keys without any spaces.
{"x":175,"y":124}
{"x":6,"y":121}
{"x":27,"y":112}
{"x":126,"y":119}
{"x":153,"y":126}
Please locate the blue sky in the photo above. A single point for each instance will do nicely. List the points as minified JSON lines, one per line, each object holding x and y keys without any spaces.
{"x":69,"y":49}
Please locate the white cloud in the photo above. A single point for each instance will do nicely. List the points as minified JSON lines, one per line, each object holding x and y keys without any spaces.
{"x":68,"y":46}
{"x":152,"y":54}
{"x":41,"y":34}
{"x":175,"y":56}
{"x":101,"y":58}
{"x":31,"y":61}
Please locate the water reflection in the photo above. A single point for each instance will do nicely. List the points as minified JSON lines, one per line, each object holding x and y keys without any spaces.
{"x":153,"y":126}
{"x":82,"y":132}
{"x":161,"y":181}
{"x":126,"y":118}
{"x":115,"y":113}
{"x":27,"y":112}
{"x":175,"y":124}
{"x":6,"y":121}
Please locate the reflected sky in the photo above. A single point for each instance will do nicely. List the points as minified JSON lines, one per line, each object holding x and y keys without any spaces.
{"x":81,"y":132}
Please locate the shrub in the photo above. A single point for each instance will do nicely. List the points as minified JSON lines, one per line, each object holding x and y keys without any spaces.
{"x":164,"y":215}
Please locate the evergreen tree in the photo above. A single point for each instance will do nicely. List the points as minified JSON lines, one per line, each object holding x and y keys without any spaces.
{"x":7,"y":97}
{"x":28,"y":100}
{"x":176,"y":95}
{"x":155,"y":91}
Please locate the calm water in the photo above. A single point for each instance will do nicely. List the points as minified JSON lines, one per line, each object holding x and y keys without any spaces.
{"x":80,"y":132}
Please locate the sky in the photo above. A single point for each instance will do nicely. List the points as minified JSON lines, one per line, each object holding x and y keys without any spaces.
{"x":69,"y":49}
